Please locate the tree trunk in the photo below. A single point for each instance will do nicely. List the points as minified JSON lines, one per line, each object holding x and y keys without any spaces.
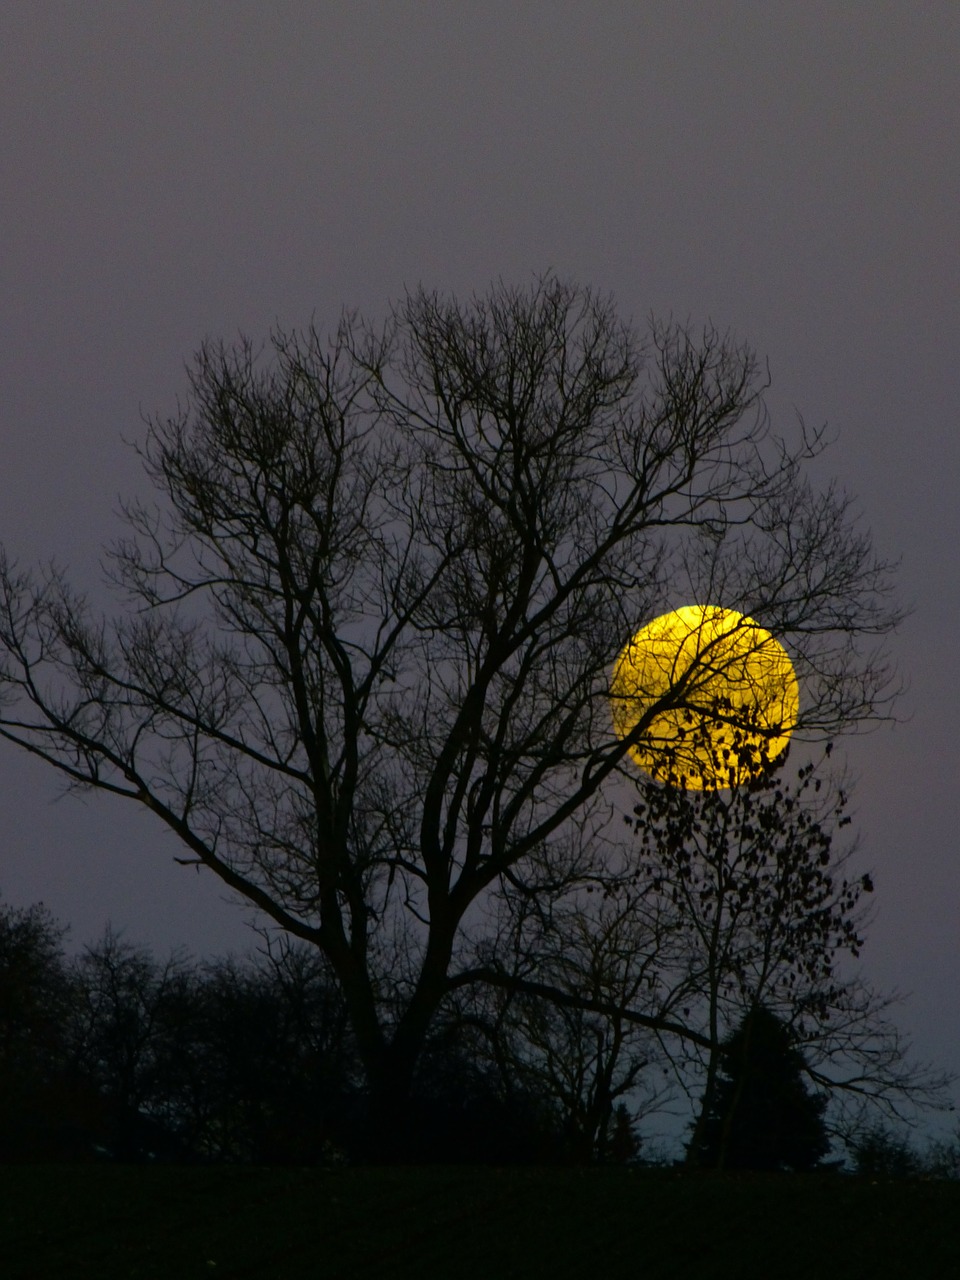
{"x":393,"y":1129}
{"x":389,"y":1128}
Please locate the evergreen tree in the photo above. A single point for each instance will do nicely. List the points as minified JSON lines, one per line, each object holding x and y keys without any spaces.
{"x":761,"y":1115}
{"x":624,"y":1143}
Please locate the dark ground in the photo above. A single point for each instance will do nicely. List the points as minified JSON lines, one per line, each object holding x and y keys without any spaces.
{"x":59,"y":1222}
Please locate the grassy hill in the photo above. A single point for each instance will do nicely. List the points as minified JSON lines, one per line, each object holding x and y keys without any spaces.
{"x":174,"y":1223}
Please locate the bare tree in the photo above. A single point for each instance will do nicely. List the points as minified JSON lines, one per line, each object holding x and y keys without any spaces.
{"x":234,"y":1060}
{"x":595,"y":1069}
{"x":35,"y":1005}
{"x":268,"y":1063}
{"x":362,"y":665}
{"x":127,"y":1037}
{"x":119,"y":1019}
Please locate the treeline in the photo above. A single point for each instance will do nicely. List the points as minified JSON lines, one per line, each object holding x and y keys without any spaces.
{"x":115,"y":1055}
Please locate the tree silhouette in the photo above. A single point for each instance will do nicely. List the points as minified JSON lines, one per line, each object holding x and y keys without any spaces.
{"x":878,"y":1151}
{"x":35,"y":1004}
{"x":238,"y":1060}
{"x":761,"y":1115}
{"x":361,"y":665}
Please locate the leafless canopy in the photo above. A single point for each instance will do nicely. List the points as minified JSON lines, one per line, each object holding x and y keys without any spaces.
{"x":361,"y":655}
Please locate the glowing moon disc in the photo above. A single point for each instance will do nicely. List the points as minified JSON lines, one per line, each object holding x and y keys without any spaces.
{"x":728,"y":693}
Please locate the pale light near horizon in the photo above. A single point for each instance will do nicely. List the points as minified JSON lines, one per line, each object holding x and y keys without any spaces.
{"x":729,"y":692}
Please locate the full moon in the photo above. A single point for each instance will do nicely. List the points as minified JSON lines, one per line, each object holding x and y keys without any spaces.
{"x":728,"y":693}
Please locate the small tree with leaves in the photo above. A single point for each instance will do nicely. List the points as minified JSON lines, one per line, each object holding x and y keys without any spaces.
{"x":754,"y":897}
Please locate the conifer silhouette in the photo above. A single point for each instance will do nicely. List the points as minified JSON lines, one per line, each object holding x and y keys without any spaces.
{"x":761,"y":1115}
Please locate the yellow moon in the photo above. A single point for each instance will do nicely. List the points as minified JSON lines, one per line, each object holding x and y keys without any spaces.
{"x":727,"y":693}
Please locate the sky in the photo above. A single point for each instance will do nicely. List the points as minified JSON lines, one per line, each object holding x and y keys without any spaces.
{"x":175,"y":171}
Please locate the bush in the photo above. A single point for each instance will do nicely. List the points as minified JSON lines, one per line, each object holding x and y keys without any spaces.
{"x":880,"y":1152}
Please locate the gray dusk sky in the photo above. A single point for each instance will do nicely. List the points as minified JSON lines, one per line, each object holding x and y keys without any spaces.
{"x":790,"y":171}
